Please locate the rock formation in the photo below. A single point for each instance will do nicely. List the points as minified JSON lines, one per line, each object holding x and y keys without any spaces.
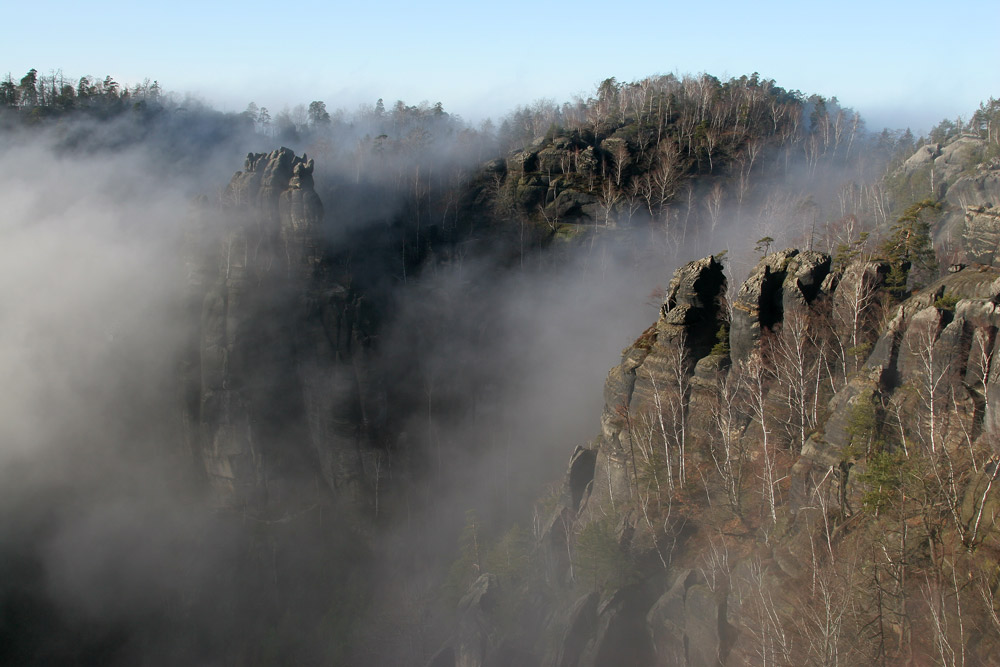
{"x":702,"y":584}
{"x":970,"y":188}
{"x":276,"y":390}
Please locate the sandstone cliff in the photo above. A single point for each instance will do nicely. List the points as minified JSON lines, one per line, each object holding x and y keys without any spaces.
{"x":737,"y":493}
{"x":957,"y":174}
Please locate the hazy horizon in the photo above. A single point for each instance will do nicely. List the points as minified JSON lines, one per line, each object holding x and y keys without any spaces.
{"x":479,"y":63}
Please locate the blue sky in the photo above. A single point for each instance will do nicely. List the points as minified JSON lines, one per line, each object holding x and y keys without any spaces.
{"x":899,"y":63}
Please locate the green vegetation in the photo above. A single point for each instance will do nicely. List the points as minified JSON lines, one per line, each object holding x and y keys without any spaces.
{"x":864,"y":428}
{"x":763,"y":245}
{"x":599,"y":560}
{"x":909,"y":249}
{"x":845,"y":253}
{"x":721,"y":346}
{"x":881,"y":479}
{"x":946,"y":301}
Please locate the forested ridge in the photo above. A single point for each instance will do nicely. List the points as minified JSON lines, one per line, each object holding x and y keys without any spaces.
{"x":373,"y":376}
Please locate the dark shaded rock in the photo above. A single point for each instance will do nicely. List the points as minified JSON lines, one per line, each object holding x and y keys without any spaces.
{"x":804,"y":280}
{"x":695,"y":294}
{"x":573,"y":204}
{"x":475,"y":625}
{"x":529,"y":197}
{"x":523,"y":161}
{"x":272,"y":363}
{"x":759,"y":303}
{"x":621,"y":637}
{"x":667,"y":621}
{"x":884,"y":356}
{"x":689,"y":624}
{"x":580,"y":625}
{"x":581,"y":476}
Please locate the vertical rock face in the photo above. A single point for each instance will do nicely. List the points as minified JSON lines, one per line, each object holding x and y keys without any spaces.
{"x":783,"y":280}
{"x":276,"y":392}
{"x":957,"y":173}
{"x":655,"y":369}
{"x":696,"y":571}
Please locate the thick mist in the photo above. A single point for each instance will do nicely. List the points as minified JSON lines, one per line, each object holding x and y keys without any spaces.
{"x":484,"y":366}
{"x":100,"y":519}
{"x":110,"y":545}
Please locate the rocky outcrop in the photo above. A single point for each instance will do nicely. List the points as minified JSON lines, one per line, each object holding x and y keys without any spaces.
{"x":956,"y":173}
{"x":621,"y":635}
{"x":782,"y":281}
{"x":552,"y":177}
{"x":699,"y":611}
{"x":656,"y":368}
{"x":981,"y":233}
{"x":276,"y":346}
{"x":688,"y":623}
{"x":654,"y":371}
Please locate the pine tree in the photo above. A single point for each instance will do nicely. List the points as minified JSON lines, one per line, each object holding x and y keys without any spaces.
{"x":909,"y":248}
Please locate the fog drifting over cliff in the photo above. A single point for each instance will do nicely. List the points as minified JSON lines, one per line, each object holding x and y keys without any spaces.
{"x":490,"y":359}
{"x":108,"y":540}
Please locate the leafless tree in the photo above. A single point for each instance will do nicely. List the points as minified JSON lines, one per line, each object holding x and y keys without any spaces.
{"x":609,"y":197}
{"x":934,"y":369}
{"x":728,"y":450}
{"x":758,"y":375}
{"x":856,"y":312}
{"x":769,"y":638}
{"x":713,"y":202}
{"x":620,"y":159}
{"x":794,"y":359}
